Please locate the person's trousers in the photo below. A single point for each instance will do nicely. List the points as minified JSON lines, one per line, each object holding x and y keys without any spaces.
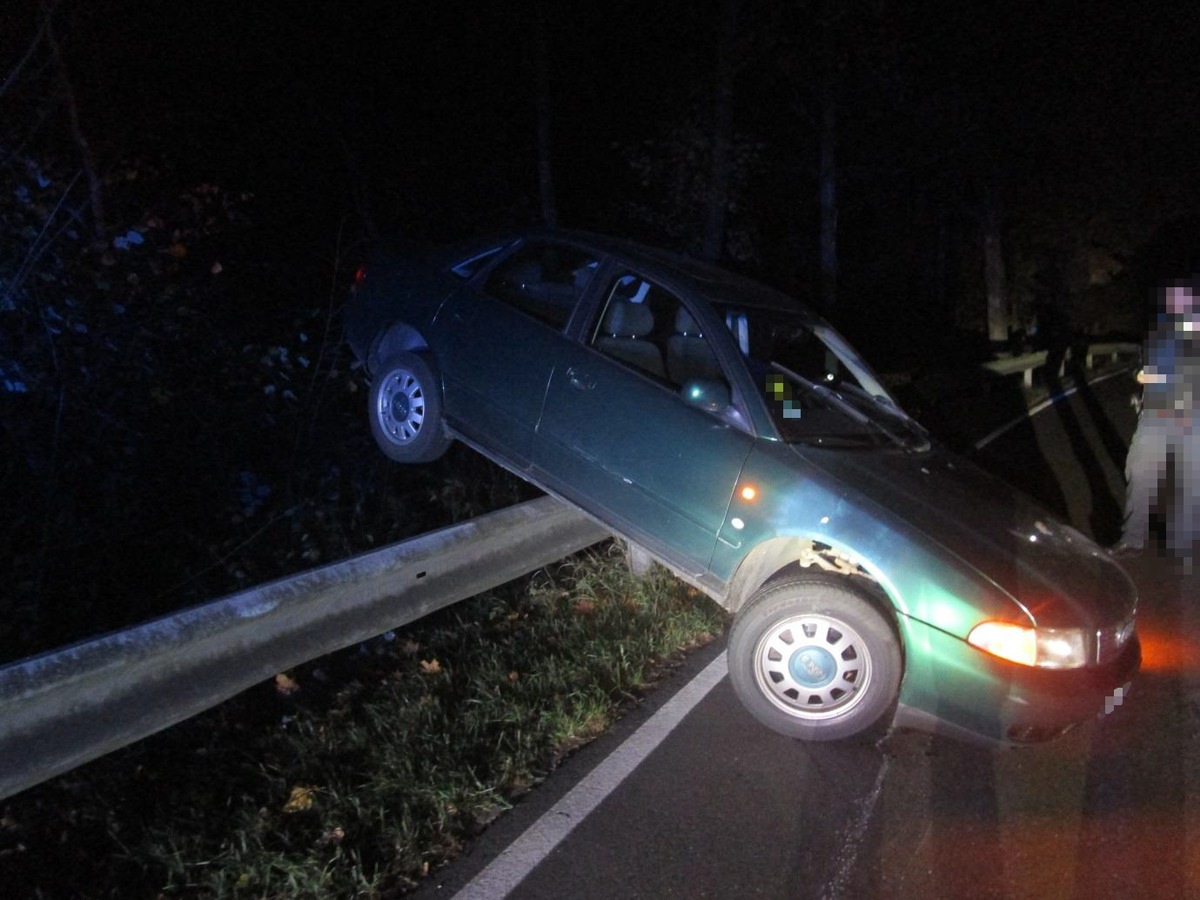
{"x":1162,"y":446}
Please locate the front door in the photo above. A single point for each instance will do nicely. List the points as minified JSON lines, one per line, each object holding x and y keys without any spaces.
{"x":622,"y":432}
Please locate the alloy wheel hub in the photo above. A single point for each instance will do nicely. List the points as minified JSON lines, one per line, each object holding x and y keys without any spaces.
{"x":400,"y":407}
{"x":812,"y":667}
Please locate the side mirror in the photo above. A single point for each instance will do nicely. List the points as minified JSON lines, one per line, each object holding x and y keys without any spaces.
{"x":707,"y":394}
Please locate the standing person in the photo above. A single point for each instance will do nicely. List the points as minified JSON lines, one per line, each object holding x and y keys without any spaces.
{"x":1168,"y":431}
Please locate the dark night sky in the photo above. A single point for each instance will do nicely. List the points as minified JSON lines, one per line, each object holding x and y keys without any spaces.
{"x":1087,"y":104}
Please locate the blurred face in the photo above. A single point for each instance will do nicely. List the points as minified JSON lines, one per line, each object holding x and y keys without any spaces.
{"x":1182,"y":306}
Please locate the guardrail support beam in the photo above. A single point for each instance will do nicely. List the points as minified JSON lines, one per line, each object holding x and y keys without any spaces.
{"x":67,"y":707}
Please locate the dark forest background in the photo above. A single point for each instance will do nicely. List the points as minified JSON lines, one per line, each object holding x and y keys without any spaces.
{"x":185,"y":190}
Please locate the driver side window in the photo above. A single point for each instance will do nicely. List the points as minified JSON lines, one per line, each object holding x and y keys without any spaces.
{"x":647,"y":328}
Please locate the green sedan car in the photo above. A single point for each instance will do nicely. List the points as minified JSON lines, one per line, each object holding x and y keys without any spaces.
{"x":732,"y":435}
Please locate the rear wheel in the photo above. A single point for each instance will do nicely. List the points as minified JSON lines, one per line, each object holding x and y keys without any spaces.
{"x":405,"y":409}
{"x":811,"y":658}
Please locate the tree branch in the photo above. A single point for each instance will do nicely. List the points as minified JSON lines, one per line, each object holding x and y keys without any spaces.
{"x":11,"y":79}
{"x":95,"y":185}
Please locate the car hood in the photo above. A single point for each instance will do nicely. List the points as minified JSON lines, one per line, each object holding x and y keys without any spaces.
{"x":1060,"y":576}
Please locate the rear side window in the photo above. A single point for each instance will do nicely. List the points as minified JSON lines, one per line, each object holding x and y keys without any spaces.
{"x":544,"y":281}
{"x":468,"y":267}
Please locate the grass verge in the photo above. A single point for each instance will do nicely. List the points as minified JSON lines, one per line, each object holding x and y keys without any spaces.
{"x":358,"y":774}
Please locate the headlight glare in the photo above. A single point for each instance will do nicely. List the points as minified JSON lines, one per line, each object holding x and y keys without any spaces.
{"x":1046,"y":648}
{"x":1061,"y":648}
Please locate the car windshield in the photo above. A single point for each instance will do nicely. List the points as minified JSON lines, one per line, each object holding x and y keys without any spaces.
{"x":817,"y":387}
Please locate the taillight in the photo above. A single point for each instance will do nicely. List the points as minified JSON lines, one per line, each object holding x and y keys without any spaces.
{"x":359,"y":278}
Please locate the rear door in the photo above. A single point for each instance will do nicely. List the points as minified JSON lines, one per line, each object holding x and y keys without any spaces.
{"x":501,"y":338}
{"x":618,"y":431}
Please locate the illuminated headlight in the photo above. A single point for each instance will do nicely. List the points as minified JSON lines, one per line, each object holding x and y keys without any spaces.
{"x":1046,"y":648}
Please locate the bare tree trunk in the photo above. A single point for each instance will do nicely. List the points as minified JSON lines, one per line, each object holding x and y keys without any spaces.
{"x":827,"y":198}
{"x":722,"y":135}
{"x":827,"y":172}
{"x":544,"y":152}
{"x":993,"y":271}
{"x":95,"y":185}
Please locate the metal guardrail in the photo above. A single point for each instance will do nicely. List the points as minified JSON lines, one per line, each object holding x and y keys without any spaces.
{"x":1025,"y":364}
{"x":69,"y":706}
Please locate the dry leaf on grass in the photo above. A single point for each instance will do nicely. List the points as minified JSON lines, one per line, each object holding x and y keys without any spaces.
{"x":302,"y":798}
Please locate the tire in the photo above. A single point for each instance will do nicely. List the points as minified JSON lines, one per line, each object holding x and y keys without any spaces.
{"x":404,"y":407}
{"x":812,"y":659}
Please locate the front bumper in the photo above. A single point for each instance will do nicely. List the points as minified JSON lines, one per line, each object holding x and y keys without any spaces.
{"x":951,"y":687}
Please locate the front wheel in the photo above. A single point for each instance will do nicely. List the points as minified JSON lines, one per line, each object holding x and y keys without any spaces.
{"x":404,"y":406}
{"x":812,"y":659}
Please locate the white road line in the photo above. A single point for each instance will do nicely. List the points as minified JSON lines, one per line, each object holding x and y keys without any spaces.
{"x":1037,"y":408}
{"x":508,"y":869}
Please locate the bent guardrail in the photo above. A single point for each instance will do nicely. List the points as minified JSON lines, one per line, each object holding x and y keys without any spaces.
{"x":69,"y":706}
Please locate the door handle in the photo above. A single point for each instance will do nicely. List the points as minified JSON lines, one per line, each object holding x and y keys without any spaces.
{"x":581,"y":381}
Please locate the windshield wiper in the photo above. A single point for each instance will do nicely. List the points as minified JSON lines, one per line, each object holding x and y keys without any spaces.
{"x":840,"y":403}
{"x":918,"y":436}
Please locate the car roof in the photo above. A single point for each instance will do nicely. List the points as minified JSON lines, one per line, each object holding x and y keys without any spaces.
{"x":716,"y":284}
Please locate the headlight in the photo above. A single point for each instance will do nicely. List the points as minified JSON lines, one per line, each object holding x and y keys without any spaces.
{"x":1046,"y":648}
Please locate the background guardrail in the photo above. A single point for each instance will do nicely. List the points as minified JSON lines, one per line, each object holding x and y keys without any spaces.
{"x":1026,"y":364}
{"x":67,"y":707}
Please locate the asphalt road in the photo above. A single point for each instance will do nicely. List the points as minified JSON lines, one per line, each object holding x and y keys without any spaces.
{"x":688,"y":797}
